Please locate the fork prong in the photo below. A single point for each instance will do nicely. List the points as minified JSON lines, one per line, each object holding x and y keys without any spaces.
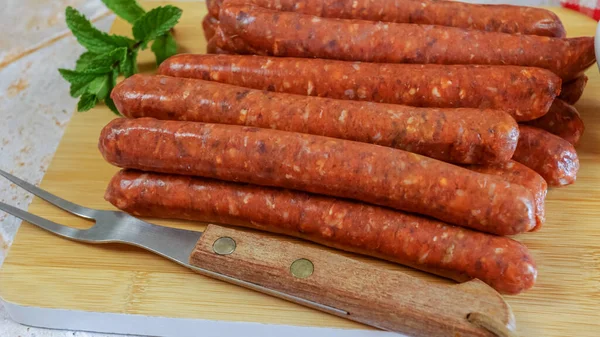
{"x":69,"y":232}
{"x":68,"y":206}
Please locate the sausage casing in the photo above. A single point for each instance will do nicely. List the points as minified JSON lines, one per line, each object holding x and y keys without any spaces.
{"x":562,"y":120}
{"x":209,"y":25}
{"x":519,"y":174}
{"x":524,"y":93}
{"x":572,"y":91}
{"x":211,"y":48}
{"x":268,"y":32}
{"x":411,"y":240}
{"x":467,"y":136}
{"x":336,"y":167}
{"x":554,"y":158}
{"x":495,"y":18}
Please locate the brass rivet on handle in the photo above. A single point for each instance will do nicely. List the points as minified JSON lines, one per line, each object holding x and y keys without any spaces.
{"x":224,"y":246}
{"x":302,"y":268}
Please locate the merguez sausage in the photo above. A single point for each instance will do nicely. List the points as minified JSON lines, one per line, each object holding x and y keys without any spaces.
{"x":336,"y":167}
{"x":421,"y":243}
{"x":562,"y":120}
{"x":572,"y":91}
{"x":525,"y":93}
{"x":455,"y":135}
{"x":209,"y":24}
{"x":552,"y":157}
{"x":268,"y":32}
{"x":516,"y":173}
{"x":495,"y":18}
{"x":211,"y":48}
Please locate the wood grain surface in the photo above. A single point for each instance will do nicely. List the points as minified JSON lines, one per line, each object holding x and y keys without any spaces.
{"x":46,"y":271}
{"x":387,"y":299}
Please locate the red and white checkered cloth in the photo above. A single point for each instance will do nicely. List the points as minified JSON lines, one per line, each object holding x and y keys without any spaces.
{"x":588,"y":7}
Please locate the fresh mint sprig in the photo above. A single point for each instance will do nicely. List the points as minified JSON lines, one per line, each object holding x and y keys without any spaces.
{"x":128,"y":10}
{"x":164,"y":47}
{"x":109,"y":55}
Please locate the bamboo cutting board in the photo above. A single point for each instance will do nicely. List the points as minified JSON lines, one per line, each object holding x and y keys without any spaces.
{"x":45,"y":271}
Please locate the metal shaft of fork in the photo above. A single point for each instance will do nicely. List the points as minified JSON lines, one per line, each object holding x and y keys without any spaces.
{"x":71,"y":233}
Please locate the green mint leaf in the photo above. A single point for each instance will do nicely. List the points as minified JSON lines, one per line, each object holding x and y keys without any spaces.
{"x":164,"y":47}
{"x":106,"y":62}
{"x":129,"y":66}
{"x":84,"y":60}
{"x":129,"y":10}
{"x":79,"y":81}
{"x":111,"y":105}
{"x":113,"y":78}
{"x":107,"y":100}
{"x":155,"y":23}
{"x":100,"y":87}
{"x":97,"y":90}
{"x":91,"y":38}
{"x":86,"y":102}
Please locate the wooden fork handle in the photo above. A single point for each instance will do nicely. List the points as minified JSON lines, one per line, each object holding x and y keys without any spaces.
{"x":372,"y":295}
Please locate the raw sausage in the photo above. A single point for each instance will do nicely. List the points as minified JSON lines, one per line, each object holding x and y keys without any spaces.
{"x":454,"y":135}
{"x":336,"y":167}
{"x":421,"y":243}
{"x":562,"y":120}
{"x":516,"y":173}
{"x":552,"y":157}
{"x":268,"y":32}
{"x":209,"y":24}
{"x":525,"y":93}
{"x":572,"y":91}
{"x":233,"y":46}
{"x":495,"y":18}
{"x":211,"y":48}
{"x":400,"y":237}
{"x":469,"y":136}
{"x":262,"y":31}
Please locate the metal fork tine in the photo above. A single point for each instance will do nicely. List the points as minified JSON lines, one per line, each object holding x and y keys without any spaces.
{"x":68,"y":206}
{"x":68,"y":232}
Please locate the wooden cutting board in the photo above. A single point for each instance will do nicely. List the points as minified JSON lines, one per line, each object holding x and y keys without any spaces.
{"x":45,"y":271}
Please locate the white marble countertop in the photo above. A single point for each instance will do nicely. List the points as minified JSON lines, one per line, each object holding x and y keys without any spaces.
{"x":36,"y":106}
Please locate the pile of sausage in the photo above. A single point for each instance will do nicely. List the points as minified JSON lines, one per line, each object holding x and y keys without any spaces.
{"x":420,"y":132}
